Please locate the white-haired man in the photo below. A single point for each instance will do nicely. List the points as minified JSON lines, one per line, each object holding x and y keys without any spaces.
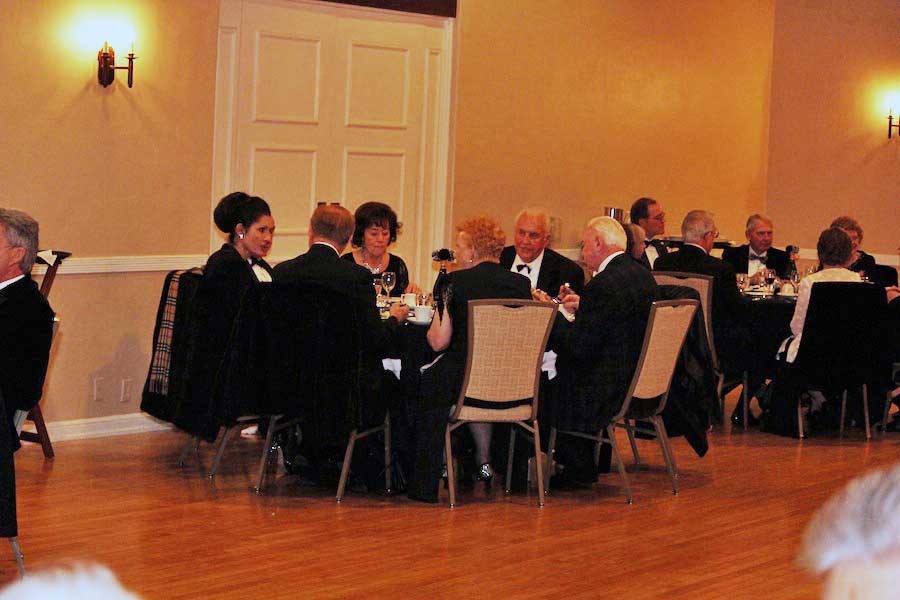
{"x":598,"y":352}
{"x":854,"y":538}
{"x":758,"y":254}
{"x":529,"y":255}
{"x":26,"y":329}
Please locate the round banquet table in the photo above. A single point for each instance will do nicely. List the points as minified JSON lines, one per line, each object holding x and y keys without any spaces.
{"x":769,"y":319}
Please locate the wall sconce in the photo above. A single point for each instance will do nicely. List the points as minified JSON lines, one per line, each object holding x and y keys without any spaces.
{"x":106,"y":65}
{"x":891,"y":124}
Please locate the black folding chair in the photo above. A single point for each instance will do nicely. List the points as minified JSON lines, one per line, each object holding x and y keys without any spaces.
{"x":843,"y":344}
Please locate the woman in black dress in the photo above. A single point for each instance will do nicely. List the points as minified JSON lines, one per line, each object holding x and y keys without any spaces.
{"x":229,"y":272}
{"x":479,"y":275}
{"x":376,"y":229}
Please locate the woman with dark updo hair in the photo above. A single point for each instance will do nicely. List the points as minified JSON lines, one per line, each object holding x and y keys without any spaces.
{"x":376,"y":228}
{"x":250,"y":227}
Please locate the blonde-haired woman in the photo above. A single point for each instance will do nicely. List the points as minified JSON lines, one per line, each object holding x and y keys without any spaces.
{"x":479,"y":241}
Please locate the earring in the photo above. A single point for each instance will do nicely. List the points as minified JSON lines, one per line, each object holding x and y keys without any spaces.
{"x":241,"y":235}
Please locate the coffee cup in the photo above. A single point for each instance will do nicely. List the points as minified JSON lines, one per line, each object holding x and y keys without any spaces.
{"x":409,"y":300}
{"x":423,"y":313}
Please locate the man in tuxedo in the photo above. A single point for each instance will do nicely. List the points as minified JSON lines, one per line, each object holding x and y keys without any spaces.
{"x":598,"y":352}
{"x":730,"y":332}
{"x":758,"y":253}
{"x":330,"y":229}
{"x":648,"y":213}
{"x":26,"y":330}
{"x":547,"y":270}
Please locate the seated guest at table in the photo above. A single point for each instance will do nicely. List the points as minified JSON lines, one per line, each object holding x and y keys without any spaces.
{"x":834,"y":248}
{"x":330,"y":229}
{"x":732,"y":336}
{"x":248,"y":223}
{"x":635,"y":241}
{"x":648,"y":213}
{"x":479,"y":275}
{"x":329,"y":233}
{"x":598,"y":352}
{"x":229,"y":272}
{"x":377,"y":228}
{"x":26,"y":330}
{"x":529,"y":255}
{"x":758,"y":254}
{"x":860,"y":262}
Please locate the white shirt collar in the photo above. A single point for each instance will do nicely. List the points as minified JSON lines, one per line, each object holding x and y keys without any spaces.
{"x":750,"y":251}
{"x":329,"y":245}
{"x":607,"y":260}
{"x":697,"y":246}
{"x":9,"y":282}
{"x":535,"y":268}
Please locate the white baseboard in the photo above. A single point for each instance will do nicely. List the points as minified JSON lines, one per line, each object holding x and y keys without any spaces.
{"x":78,"y":429}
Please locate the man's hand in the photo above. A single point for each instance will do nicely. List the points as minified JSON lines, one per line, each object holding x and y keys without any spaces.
{"x":399,"y":311}
{"x":893,"y":293}
{"x":571,"y":302}
{"x":541,"y":295}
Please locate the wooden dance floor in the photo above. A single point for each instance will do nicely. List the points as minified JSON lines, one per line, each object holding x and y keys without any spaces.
{"x":168,"y":532}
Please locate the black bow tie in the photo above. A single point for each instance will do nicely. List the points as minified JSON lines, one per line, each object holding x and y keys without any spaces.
{"x":524,"y":267}
{"x":759,"y":257}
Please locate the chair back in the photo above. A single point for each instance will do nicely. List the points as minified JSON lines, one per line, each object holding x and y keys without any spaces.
{"x":704,"y":286}
{"x":503,"y":365}
{"x":667,"y":328}
{"x":295,"y":350}
{"x":844,"y":335}
{"x":883,"y":276}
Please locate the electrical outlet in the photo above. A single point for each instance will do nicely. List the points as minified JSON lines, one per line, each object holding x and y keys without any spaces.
{"x":126,"y":390}
{"x":97,"y":386}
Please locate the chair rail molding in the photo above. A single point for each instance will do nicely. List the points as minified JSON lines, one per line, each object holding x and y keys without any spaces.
{"x":125,"y":264}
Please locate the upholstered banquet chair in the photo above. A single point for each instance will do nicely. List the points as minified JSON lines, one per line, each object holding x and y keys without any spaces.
{"x":704,"y":286}
{"x":646,"y":398}
{"x":500,"y":386}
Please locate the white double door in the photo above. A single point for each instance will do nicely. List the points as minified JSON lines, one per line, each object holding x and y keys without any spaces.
{"x":320,"y":103}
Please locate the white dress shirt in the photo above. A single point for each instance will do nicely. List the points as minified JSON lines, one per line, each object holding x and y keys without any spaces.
{"x":606,"y":262}
{"x":651,"y":252}
{"x":533,"y":270}
{"x":754,"y":265}
{"x":9,"y":282}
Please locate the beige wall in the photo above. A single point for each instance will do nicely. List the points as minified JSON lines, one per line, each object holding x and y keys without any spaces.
{"x":580,"y":104}
{"x":107,"y":171}
{"x":834,"y":63}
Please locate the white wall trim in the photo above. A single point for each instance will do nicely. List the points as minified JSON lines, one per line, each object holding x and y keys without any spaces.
{"x":78,"y":429}
{"x":125,"y":264}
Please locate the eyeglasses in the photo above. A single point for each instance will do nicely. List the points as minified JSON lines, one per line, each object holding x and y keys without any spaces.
{"x":659,"y":217}
{"x":714,"y":233}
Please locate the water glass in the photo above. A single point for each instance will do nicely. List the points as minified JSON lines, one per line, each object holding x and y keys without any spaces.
{"x":389,"y":278}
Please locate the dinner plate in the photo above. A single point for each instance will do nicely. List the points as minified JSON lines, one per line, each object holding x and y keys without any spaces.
{"x":756,"y":292}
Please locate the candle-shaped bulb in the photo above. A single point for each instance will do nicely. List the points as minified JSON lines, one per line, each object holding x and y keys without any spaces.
{"x":132,"y":46}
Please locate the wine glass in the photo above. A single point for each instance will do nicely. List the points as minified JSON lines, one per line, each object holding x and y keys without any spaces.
{"x":390,"y":280}
{"x":376,"y":281}
{"x":770,"y":278}
{"x":742,"y":281}
{"x":795,"y":280}
{"x":425,"y":299}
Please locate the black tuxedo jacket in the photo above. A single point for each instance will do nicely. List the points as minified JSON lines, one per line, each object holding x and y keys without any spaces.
{"x":26,"y":330}
{"x":322,"y":265}
{"x":661,"y":250}
{"x":739,"y":257}
{"x":728,"y":308}
{"x":598,"y":352}
{"x":556,"y":270}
